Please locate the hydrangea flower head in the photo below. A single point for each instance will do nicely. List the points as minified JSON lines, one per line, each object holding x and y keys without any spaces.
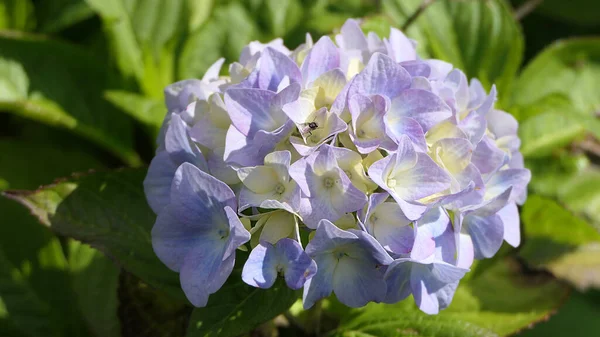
{"x":349,"y":166}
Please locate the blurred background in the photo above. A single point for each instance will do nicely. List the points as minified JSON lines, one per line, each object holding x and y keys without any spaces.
{"x":81,"y":89}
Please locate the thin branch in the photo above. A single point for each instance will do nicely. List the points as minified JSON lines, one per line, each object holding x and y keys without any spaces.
{"x":417,"y":13}
{"x":526,"y":8}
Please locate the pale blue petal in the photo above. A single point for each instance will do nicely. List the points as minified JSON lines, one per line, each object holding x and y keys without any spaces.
{"x":157,"y":184}
{"x":358,"y":282}
{"x":204,"y":272}
{"x":321,"y":284}
{"x":327,"y":237}
{"x":299,"y":267}
{"x":238,"y":235}
{"x":260,"y":270}
{"x":397,"y":278}
{"x":179,"y":146}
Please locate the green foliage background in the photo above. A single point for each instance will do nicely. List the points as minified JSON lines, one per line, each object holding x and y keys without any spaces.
{"x":81,"y":101}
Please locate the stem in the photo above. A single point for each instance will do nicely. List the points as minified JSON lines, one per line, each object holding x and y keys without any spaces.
{"x":317,"y":313}
{"x":526,"y":8}
{"x":417,"y":13}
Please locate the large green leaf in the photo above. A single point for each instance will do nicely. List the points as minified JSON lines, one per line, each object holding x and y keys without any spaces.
{"x":108,"y":210}
{"x":581,"y":308}
{"x":60,"y":85}
{"x":543,"y":133}
{"x":148,"y":111}
{"x":95,"y":280}
{"x":561,"y":242}
{"x":147,"y":311}
{"x":569,"y":68}
{"x":35,"y":280}
{"x":497,"y":302}
{"x":581,"y":194}
{"x":238,"y":308}
{"x":143,"y":37}
{"x":480,"y":37}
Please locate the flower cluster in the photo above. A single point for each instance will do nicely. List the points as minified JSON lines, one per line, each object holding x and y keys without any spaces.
{"x":350,"y":166}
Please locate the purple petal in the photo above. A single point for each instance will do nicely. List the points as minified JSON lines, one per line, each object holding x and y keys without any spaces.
{"x":502,"y":180}
{"x":180,"y":147}
{"x":487,"y":234}
{"x":474,"y":126}
{"x":274,"y":67}
{"x":399,"y":47}
{"x":487,"y":156}
{"x":323,"y":56}
{"x":299,"y":267}
{"x":381,"y":76}
{"x":352,"y":36}
{"x":425,"y":107}
{"x":250,"y":110}
{"x":397,"y":127}
{"x":417,"y":68}
{"x":510,"y":218}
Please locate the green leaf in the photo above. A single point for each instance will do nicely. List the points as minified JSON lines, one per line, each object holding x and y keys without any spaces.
{"x":199,"y":12}
{"x":147,"y":311}
{"x":550,"y":174}
{"x":146,"y":110}
{"x":25,"y":311}
{"x":568,"y":68}
{"x":238,"y":308}
{"x":580,"y":308}
{"x":282,"y":15}
{"x":581,"y":194}
{"x":108,"y":210}
{"x":17,"y":15}
{"x":22,"y":161}
{"x":34,"y":277}
{"x":581,"y":266}
{"x":543,"y":133}
{"x":143,"y":37}
{"x":95,"y":281}
{"x":578,"y":12}
{"x":479,"y":37}
{"x":559,"y":241}
{"x":31,"y":68}
{"x":56,"y":15}
{"x":34,"y":264}
{"x":498,"y":302}
{"x":217,"y":38}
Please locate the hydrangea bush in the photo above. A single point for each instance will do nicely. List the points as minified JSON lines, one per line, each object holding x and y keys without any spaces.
{"x":349,"y":166}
